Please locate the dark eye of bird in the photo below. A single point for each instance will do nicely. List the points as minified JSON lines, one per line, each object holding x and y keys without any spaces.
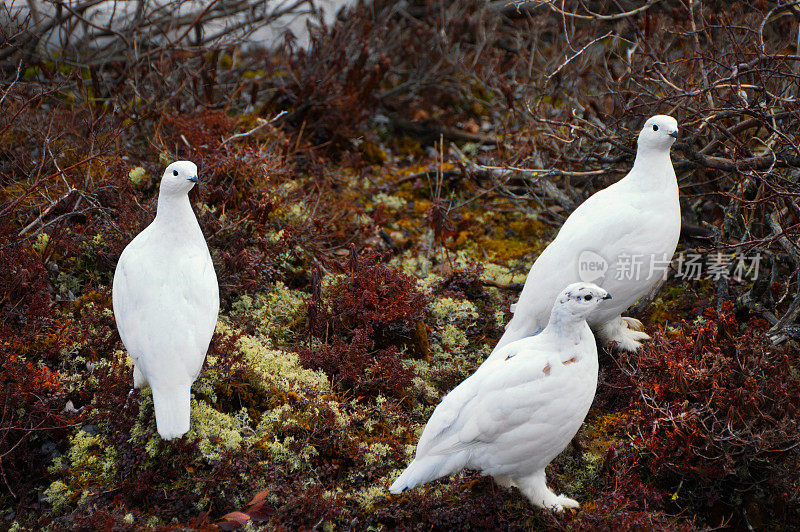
{"x":175,"y":173}
{"x":588,"y":297}
{"x":655,"y":127}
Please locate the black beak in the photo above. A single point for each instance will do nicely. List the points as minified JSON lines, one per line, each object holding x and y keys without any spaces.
{"x":607,"y":296}
{"x":674,"y":134}
{"x":192,"y":179}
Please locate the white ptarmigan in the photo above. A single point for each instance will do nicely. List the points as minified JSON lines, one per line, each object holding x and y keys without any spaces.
{"x":621,"y":238}
{"x":166,"y":301}
{"x":516,"y":416}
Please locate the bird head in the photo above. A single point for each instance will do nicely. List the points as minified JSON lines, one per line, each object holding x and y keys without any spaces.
{"x":658,"y":133}
{"x":580,"y":299}
{"x":179,"y":178}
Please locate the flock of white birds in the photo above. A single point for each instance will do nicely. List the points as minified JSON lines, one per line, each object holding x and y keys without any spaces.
{"x":522,"y":406}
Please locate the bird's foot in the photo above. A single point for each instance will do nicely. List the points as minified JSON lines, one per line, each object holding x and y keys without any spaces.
{"x":506,"y":482}
{"x":536,"y":490}
{"x":632,"y":323}
{"x":567,"y":503}
{"x":627,"y":333}
{"x":551,"y":501}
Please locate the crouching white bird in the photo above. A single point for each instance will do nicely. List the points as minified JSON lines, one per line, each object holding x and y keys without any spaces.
{"x":516,"y":416}
{"x":621,"y":238}
{"x":166,"y":300}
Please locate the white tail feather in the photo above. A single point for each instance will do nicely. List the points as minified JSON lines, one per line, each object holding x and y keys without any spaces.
{"x":172,"y":408}
{"x":430,"y":468}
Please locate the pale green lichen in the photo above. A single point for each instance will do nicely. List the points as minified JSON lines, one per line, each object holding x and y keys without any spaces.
{"x":453,"y":337}
{"x":453,"y":317}
{"x":499,"y":316}
{"x":377,"y":453}
{"x":282,"y":452}
{"x":428,"y":284}
{"x":58,"y":495}
{"x":203,"y":209}
{"x":411,"y":263}
{"x":367,"y":497}
{"x":88,"y":461}
{"x":144,"y":429}
{"x":503,"y":275}
{"x":276,"y":314}
{"x":449,"y":310}
{"x":217,"y":431}
{"x":41,"y":242}
{"x":390,"y":202}
{"x":280,"y":367}
{"x":297,"y":213}
{"x":137,"y":175}
{"x":274,"y":237}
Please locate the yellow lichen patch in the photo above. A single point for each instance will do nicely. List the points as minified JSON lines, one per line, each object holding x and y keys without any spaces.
{"x":217,"y":432}
{"x":450,"y":310}
{"x":87,"y":462}
{"x":605,"y":431}
{"x":502,"y":275}
{"x":392,"y":203}
{"x":281,"y":368}
{"x":277,"y":314}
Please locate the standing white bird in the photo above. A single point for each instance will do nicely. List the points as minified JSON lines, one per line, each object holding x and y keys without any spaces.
{"x":166,"y":300}
{"x":516,"y":416}
{"x":622,"y":238}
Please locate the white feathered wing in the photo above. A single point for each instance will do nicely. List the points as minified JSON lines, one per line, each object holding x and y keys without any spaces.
{"x":511,"y":419}
{"x":634,"y":226}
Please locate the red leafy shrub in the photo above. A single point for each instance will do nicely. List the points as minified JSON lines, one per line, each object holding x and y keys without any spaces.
{"x":355,"y":365}
{"x":364,"y":322}
{"x":375,"y":297}
{"x":716,"y":414}
{"x":32,"y":407}
{"x":464,"y":283}
{"x":330,"y":92}
{"x":31,"y":394}
{"x":208,"y":138}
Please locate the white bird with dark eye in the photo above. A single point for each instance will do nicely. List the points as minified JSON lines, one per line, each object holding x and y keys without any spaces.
{"x":514,"y":417}
{"x":621,"y":238}
{"x":166,"y":301}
